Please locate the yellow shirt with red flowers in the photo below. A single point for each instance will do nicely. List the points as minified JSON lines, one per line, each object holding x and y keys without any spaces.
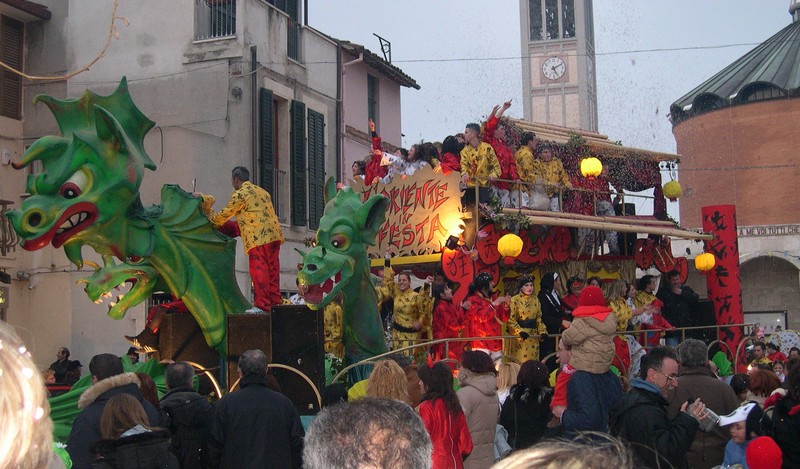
{"x":252,"y":207}
{"x":480,"y":163}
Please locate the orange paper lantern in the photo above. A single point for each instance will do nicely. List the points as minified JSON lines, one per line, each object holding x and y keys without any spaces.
{"x":705,"y":262}
{"x":591,"y":167}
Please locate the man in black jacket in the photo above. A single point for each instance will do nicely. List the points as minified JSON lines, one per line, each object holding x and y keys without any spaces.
{"x":108,"y":380}
{"x":255,"y":427}
{"x":642,"y":419}
{"x":678,"y":303}
{"x":187,"y":415}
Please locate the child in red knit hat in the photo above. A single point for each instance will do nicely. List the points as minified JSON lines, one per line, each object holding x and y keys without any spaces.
{"x":591,"y":334}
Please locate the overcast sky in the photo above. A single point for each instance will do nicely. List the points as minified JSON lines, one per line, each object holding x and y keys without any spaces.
{"x":437,"y":41}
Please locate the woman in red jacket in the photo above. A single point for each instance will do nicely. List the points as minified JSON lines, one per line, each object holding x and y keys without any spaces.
{"x":485,"y":316}
{"x":447,"y":322}
{"x":443,"y":418}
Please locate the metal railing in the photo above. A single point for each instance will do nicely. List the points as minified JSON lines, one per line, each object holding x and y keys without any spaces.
{"x":8,"y":237}
{"x":425,"y":344}
{"x":214,"y":19}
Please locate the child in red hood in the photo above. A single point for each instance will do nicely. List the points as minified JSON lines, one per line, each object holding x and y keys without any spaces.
{"x":591,"y":334}
{"x":654,"y":320}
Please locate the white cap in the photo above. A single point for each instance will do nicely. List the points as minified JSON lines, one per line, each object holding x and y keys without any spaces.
{"x":738,"y":415}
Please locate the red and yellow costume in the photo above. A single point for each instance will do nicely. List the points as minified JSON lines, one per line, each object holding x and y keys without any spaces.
{"x":447,"y":323}
{"x":485,"y":320}
{"x":505,"y":157}
{"x":624,"y":313}
{"x":553,"y":175}
{"x":479,"y":163}
{"x":261,"y":235}
{"x":525,"y":316}
{"x":409,"y":307}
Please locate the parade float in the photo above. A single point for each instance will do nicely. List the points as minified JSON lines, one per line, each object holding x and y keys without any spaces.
{"x":88,"y":195}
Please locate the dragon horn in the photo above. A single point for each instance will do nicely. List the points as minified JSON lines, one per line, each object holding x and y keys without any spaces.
{"x":92,"y":265}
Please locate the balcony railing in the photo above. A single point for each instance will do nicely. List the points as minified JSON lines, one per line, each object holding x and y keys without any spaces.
{"x":8,"y":237}
{"x":214,"y":19}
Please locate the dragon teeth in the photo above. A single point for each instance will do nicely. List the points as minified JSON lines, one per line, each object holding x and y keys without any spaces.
{"x":98,"y":301}
{"x":106,"y":295}
{"x":112,"y":304}
{"x":120,"y":297}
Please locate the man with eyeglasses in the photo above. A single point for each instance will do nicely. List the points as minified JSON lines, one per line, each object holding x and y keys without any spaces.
{"x":641,"y":419}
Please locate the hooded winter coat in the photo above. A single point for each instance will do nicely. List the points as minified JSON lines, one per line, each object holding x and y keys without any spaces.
{"x":592,"y":341}
{"x":187,"y":416}
{"x":478,"y":397}
{"x":86,"y":427}
{"x":147,"y":450}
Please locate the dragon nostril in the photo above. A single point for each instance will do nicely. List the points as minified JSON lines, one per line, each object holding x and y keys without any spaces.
{"x":34,"y":219}
{"x":324,"y":252}
{"x":311,"y":267}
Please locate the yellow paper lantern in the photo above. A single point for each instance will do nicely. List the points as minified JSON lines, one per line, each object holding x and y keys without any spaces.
{"x":705,"y":262}
{"x":509,"y":246}
{"x":672,"y":190}
{"x":591,"y":167}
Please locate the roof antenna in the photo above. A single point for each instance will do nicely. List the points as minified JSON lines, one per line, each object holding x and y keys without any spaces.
{"x":386,"y":48}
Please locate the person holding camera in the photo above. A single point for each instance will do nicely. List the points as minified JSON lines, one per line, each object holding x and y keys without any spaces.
{"x":641,"y":419}
{"x":697,"y":380}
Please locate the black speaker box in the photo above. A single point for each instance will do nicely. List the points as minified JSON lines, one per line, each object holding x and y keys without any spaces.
{"x":247,"y":332}
{"x":703,"y":315}
{"x":180,"y":339}
{"x":298,"y":341}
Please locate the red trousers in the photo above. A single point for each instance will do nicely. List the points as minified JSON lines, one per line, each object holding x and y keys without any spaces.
{"x":265,"y":271}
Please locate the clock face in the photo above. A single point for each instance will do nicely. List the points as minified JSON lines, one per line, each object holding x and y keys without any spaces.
{"x":554,"y":68}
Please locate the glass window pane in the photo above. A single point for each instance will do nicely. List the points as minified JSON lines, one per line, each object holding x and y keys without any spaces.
{"x":551,"y":18}
{"x":568,"y":18}
{"x":535,"y":14}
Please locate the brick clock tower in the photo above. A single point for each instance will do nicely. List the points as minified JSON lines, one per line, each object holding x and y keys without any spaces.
{"x":558,"y":62}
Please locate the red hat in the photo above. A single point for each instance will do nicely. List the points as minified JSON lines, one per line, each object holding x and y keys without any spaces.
{"x":591,"y":296}
{"x":657,"y":303}
{"x":763,"y":453}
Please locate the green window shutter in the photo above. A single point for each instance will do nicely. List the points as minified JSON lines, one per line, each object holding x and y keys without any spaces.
{"x":316,"y":167}
{"x":266,"y":159}
{"x":298,"y":163}
{"x":11,"y":43}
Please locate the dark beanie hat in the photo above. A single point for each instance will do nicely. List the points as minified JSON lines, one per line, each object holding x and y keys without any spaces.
{"x":533,"y":373}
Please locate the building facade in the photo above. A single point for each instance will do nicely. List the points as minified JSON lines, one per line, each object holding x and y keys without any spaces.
{"x":558,"y":63}
{"x":234,"y":83}
{"x":735,"y":134}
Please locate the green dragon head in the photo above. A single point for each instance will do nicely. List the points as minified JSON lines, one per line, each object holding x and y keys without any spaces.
{"x":91,"y":175}
{"x":346,"y":228}
{"x":142,"y":278}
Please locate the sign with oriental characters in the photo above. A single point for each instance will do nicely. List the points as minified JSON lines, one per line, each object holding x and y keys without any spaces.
{"x":424,"y":210}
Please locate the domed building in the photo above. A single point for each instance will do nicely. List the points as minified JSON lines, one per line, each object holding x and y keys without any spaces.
{"x":738,"y":140}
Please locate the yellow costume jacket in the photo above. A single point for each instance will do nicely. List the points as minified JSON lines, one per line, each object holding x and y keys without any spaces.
{"x":553,"y":175}
{"x":524,"y":308}
{"x":479,"y":163}
{"x":252,"y":207}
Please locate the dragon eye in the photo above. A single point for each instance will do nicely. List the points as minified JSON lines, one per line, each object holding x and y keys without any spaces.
{"x":339,"y":241}
{"x":75,"y":185}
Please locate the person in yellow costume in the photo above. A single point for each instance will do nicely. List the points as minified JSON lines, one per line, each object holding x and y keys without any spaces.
{"x":409,"y":312}
{"x":525,"y":321}
{"x":260,"y":231}
{"x":479,"y":163}
{"x":552,"y":173}
{"x":645,"y":296}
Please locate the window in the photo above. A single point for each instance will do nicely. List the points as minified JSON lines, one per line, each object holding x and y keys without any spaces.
{"x":316,"y":168}
{"x":11,"y":32}
{"x":214,"y":19}
{"x":266,"y":156}
{"x":298,"y":163}
{"x":535,"y":18}
{"x":760,"y":92}
{"x":551,"y":18}
{"x":372,"y":98}
{"x":568,"y":18}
